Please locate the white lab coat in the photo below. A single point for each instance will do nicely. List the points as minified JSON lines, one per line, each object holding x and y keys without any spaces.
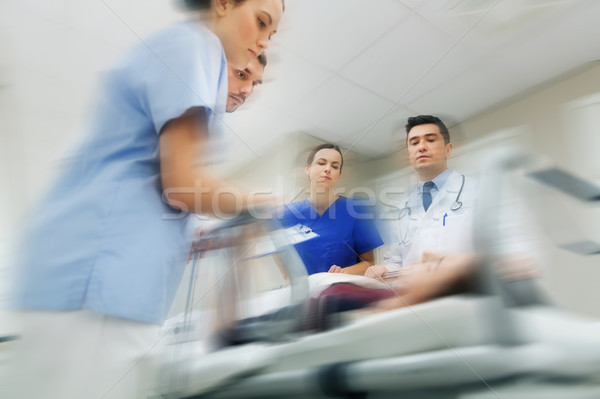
{"x":439,"y":230}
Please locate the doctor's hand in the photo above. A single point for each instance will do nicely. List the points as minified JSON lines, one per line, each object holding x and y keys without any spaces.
{"x":376,"y":271}
{"x":335,"y":269}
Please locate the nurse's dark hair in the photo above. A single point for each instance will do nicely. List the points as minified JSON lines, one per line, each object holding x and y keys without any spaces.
{"x":425,"y":120}
{"x":205,"y":4}
{"x":324,"y":146}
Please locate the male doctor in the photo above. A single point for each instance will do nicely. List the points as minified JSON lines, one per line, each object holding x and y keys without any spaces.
{"x":437,"y":218}
{"x":241,"y":82}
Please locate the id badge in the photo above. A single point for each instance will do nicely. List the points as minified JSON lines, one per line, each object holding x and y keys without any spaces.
{"x":300,"y":233}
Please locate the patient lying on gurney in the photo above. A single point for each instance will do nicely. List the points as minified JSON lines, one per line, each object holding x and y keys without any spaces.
{"x":337,"y":299}
{"x":438,"y":276}
{"x":435,"y":277}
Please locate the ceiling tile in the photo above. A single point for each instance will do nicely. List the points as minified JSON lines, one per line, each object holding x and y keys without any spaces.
{"x":514,"y":66}
{"x":335,"y":66}
{"x":393,"y":65}
{"x":560,"y":44}
{"x":383,"y":136}
{"x":468,"y":94}
{"x":510,"y":21}
{"x":341,"y":107}
{"x":415,"y":4}
{"x":331,"y":33}
{"x":323,"y":135}
{"x":257,"y":126}
{"x":517,"y":52}
{"x":287,"y":80}
{"x":464,"y":56}
{"x":455,"y":17}
{"x":532,"y":61}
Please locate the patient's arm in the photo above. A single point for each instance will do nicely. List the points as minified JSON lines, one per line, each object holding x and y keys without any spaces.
{"x":436,"y":276}
{"x":376,"y":271}
{"x":429,"y":260}
{"x":367,"y":259}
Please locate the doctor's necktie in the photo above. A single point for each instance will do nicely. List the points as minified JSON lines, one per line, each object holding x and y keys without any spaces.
{"x":427,"y":194}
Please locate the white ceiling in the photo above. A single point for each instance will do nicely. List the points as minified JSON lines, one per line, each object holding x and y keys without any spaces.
{"x":351,"y":71}
{"x":348,"y":71}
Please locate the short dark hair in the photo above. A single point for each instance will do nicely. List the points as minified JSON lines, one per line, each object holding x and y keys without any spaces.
{"x":311,"y":155}
{"x":262,"y":59}
{"x":428,"y":119}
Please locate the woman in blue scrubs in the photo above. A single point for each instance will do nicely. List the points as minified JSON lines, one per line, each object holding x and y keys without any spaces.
{"x":105,"y":252}
{"x":340,"y":233}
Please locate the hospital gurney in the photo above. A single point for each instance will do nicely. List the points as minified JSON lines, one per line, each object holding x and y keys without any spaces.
{"x":502,"y":340}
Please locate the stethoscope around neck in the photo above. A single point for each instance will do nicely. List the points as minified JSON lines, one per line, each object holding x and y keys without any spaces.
{"x":455,"y":206}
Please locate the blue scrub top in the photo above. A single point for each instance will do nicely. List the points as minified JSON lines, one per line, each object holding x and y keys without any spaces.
{"x":345,"y":230}
{"x":104,"y":238}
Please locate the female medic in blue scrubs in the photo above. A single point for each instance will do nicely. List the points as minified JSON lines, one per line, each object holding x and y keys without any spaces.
{"x":341,"y":232}
{"x":106,"y":251}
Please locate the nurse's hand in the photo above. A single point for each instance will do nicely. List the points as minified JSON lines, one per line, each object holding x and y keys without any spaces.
{"x":335,"y":269}
{"x":376,"y":271}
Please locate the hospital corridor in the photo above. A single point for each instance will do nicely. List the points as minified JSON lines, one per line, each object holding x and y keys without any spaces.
{"x":300,"y":198}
